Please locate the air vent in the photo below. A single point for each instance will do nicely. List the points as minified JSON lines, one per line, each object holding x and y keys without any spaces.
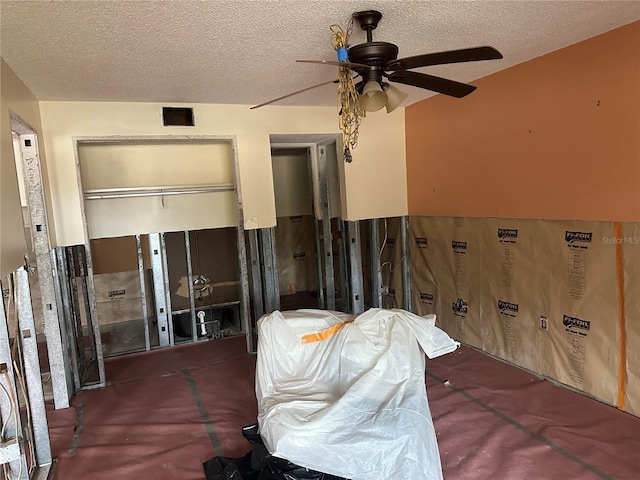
{"x":177,"y":116}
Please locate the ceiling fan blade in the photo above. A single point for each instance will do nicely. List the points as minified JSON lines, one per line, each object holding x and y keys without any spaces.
{"x":338,"y":64}
{"x":440,"y":58}
{"x":293,"y":93}
{"x":429,"y":82}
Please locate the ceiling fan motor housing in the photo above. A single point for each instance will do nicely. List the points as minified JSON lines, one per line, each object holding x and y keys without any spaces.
{"x":374,"y":54}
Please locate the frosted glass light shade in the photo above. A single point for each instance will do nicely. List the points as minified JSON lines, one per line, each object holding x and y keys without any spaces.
{"x":372,"y":98}
{"x":395,"y":98}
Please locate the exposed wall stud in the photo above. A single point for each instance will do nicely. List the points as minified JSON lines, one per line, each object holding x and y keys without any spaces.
{"x":355,"y":264}
{"x":11,"y":428}
{"x":66,"y":314}
{"x":192,"y":298}
{"x":243,"y":273}
{"x":69,"y":354}
{"x":60,"y":376}
{"x":376,"y":272}
{"x":256,"y":275}
{"x":270,"y":273}
{"x":345,"y":285}
{"x":32,"y":370}
{"x":406,"y":273}
{"x":329,"y":274}
{"x":167,"y":288}
{"x":245,"y":298}
{"x":83,"y":363}
{"x":158,"y":289}
{"x":319,"y":253}
{"x":87,"y":300}
{"x":143,"y":294}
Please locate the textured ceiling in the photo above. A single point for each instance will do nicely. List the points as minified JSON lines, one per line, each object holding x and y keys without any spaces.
{"x":244,"y":51}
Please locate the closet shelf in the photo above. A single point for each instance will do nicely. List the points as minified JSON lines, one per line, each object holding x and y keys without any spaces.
{"x":126,"y":192}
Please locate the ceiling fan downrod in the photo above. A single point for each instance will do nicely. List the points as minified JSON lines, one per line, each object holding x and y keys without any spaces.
{"x":368,"y":21}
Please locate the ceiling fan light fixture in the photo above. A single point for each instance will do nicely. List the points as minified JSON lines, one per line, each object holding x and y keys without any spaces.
{"x":395,"y":97}
{"x":373,"y":97}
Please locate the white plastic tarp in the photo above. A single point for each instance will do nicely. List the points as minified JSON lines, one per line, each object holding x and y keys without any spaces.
{"x":348,"y":397}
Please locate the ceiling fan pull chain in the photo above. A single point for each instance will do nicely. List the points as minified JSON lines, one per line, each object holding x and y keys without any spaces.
{"x":349,"y":112}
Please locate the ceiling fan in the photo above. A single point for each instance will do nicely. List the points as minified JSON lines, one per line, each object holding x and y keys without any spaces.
{"x":377,"y":63}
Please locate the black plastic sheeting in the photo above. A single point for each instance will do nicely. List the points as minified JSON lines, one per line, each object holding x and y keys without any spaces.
{"x":259,"y":465}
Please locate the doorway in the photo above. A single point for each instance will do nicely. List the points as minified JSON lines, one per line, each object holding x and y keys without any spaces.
{"x":309,"y":234}
{"x":296,"y":228}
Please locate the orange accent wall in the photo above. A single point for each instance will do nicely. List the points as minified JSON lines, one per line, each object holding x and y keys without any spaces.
{"x":557,"y":137}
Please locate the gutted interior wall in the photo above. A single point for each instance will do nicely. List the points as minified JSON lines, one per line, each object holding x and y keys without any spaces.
{"x":17,"y":98}
{"x":551,"y":147}
{"x":379,"y":160}
{"x":542,"y":294}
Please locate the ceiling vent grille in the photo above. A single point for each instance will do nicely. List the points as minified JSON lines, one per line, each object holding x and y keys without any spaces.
{"x":177,"y":117}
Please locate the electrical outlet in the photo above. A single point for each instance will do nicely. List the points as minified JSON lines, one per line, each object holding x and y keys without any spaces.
{"x":385,"y":290}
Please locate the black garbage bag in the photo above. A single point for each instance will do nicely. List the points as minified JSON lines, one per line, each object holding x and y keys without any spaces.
{"x":259,"y":465}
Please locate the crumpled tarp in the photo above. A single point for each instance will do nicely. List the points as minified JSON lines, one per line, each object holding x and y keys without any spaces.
{"x":258,"y":464}
{"x":347,"y":396}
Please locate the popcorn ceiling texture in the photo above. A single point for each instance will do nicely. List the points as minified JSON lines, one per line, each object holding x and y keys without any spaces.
{"x":244,"y":51}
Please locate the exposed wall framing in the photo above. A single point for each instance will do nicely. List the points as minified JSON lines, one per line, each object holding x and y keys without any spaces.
{"x":160,"y":263}
{"x":61,"y":375}
{"x":26,"y":449}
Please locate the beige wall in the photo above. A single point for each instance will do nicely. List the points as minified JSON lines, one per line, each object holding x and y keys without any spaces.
{"x":17,"y":98}
{"x":292,"y":187}
{"x":164,"y":165}
{"x":378,"y":166}
{"x":557,"y":137}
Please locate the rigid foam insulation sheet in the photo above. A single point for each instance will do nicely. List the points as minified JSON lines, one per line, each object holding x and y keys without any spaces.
{"x":577,"y":294}
{"x":444,"y":271}
{"x":391,"y":262}
{"x":118,"y":296}
{"x":631,"y":280}
{"x":509,"y":295}
{"x":296,"y":247}
{"x":424,"y":262}
{"x":540,"y":294}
